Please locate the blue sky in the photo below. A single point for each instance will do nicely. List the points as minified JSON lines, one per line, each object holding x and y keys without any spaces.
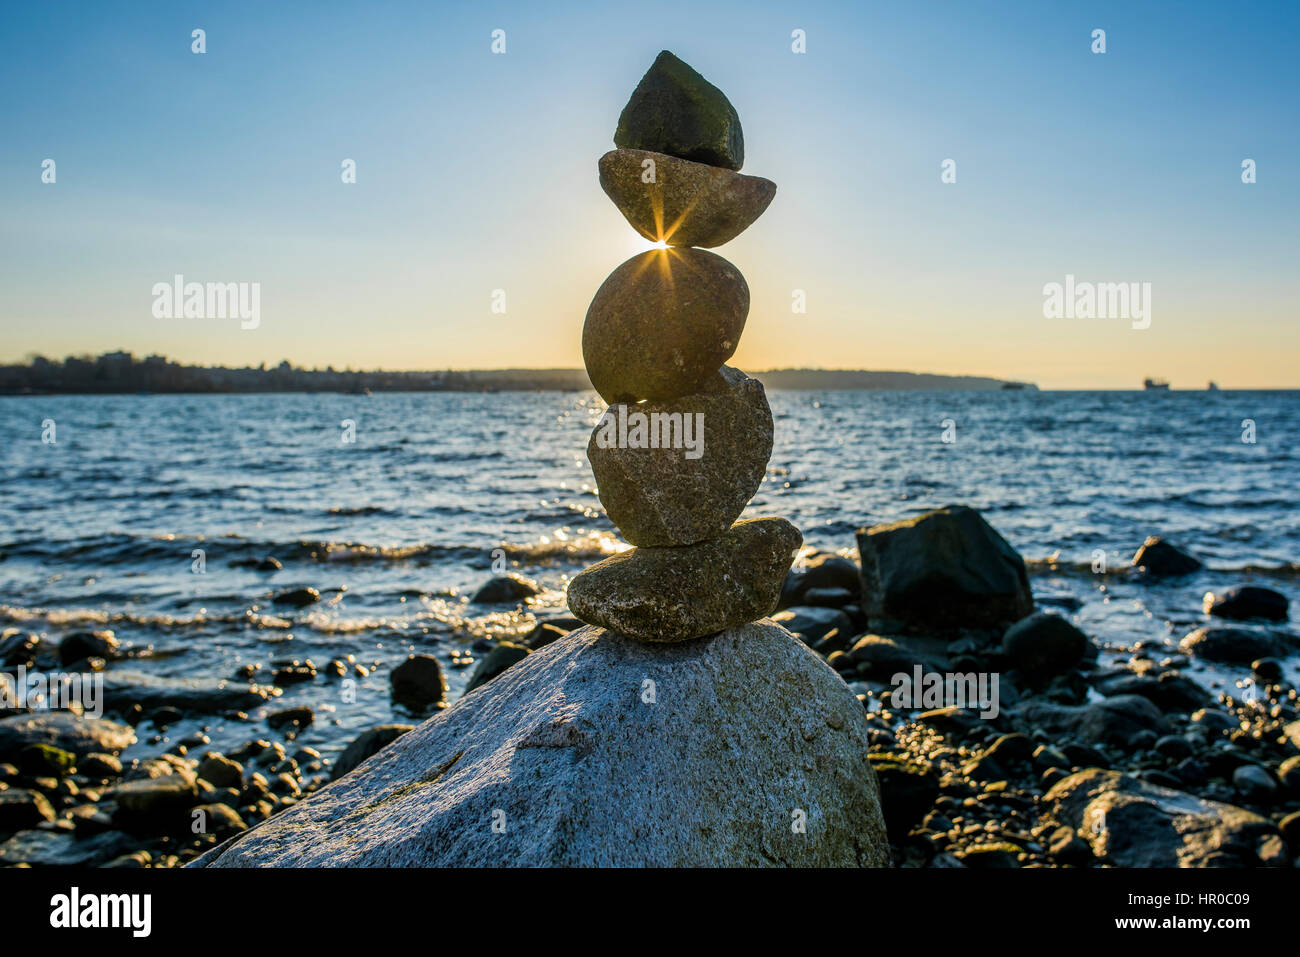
{"x":477,"y":172}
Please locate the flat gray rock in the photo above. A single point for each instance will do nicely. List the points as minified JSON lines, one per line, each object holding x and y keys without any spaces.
{"x":600,"y":751}
{"x":64,"y":730}
{"x":675,"y":594}
{"x":682,"y":493}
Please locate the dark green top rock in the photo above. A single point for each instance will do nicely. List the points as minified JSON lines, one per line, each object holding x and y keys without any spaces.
{"x":676,"y":111}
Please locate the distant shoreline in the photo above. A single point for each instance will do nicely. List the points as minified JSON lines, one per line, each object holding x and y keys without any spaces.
{"x":121,"y":373}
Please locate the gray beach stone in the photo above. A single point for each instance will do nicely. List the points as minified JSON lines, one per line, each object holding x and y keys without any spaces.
{"x":661,"y":496}
{"x":674,"y":594}
{"x":674,"y":110}
{"x":662,"y":324}
{"x":683,"y":203}
{"x":579,"y":764}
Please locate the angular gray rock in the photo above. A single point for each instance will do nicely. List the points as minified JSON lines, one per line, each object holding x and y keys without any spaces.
{"x":662,"y":324}
{"x":600,"y":751}
{"x":1133,"y":823}
{"x":664,"y":496}
{"x":685,"y":203}
{"x":945,"y":569}
{"x":674,"y":594}
{"x":675,"y":110}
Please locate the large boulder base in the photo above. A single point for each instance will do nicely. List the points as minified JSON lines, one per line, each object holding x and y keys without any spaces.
{"x":661,"y":496}
{"x":675,"y":594}
{"x":601,"y":751}
{"x":662,"y":324}
{"x":946,"y":569}
{"x":683,"y":203}
{"x":674,"y":110}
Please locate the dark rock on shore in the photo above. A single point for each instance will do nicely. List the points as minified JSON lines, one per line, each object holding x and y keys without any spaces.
{"x":504,"y":589}
{"x":944,"y":569}
{"x":662,"y":496}
{"x":812,"y":623}
{"x":495,"y":662}
{"x":674,"y":594}
{"x":549,"y":630}
{"x":21,"y":809}
{"x":1112,"y":721}
{"x":66,"y":731}
{"x":1131,"y":823}
{"x":1158,"y":557}
{"x":907,"y":792}
{"x":298,"y":597}
{"x":1236,"y":644}
{"x":219,"y":771}
{"x":1168,"y":691}
{"x":20,"y":648}
{"x":81,"y":645}
{"x":1247,"y":601}
{"x":365,"y":745}
{"x":124,"y":688}
{"x":561,"y":762}
{"x":676,"y":111}
{"x":42,"y":848}
{"x":1044,"y":645}
{"x":418,"y":682}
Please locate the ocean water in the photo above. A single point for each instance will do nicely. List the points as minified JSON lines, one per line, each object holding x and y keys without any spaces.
{"x":394,"y":507}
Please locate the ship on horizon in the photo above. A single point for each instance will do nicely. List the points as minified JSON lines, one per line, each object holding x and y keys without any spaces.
{"x":1160,"y":384}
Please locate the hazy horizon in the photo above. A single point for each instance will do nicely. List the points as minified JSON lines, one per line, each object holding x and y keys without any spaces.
{"x":476,"y":172}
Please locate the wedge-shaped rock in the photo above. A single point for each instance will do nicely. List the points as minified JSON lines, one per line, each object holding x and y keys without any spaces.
{"x":662,"y":324}
{"x":746,"y":733}
{"x":709,"y":455}
{"x":674,"y":110}
{"x":679,"y":202}
{"x":942,"y":570}
{"x":674,"y":594}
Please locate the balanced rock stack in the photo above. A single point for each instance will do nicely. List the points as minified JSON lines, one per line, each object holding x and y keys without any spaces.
{"x":685,"y":441}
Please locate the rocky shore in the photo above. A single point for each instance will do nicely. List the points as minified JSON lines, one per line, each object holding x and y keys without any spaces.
{"x":1092,"y":760}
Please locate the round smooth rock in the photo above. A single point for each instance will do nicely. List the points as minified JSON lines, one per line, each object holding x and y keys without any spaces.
{"x":682,"y":492}
{"x":662,"y":324}
{"x":675,"y":201}
{"x":674,"y":594}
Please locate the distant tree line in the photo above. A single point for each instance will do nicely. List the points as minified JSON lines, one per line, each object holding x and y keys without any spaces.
{"x":122,"y":373}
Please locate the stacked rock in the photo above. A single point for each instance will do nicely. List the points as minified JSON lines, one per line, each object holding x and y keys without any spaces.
{"x":685,"y":441}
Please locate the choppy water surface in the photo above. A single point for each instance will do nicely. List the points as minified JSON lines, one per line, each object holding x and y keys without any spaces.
{"x":397,"y":527}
